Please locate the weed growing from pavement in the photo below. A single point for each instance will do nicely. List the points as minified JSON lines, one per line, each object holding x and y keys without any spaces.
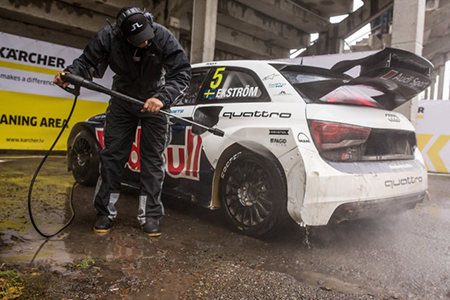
{"x":87,"y":264}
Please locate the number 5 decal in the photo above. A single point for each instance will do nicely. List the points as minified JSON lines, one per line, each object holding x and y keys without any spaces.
{"x":217,"y":77}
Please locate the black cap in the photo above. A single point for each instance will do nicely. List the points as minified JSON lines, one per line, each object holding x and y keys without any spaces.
{"x":136,"y":29}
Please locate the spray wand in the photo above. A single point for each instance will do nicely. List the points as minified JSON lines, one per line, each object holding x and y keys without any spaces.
{"x":78,"y":81}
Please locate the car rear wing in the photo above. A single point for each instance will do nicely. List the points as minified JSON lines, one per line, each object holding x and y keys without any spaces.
{"x":399,"y":75}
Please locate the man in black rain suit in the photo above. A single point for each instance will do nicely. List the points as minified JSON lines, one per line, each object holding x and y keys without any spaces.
{"x":149,"y":64}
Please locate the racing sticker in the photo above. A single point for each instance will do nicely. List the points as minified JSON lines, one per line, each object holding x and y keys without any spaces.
{"x":303,"y":138}
{"x":231,"y":92}
{"x":277,"y":85}
{"x":279,"y":131}
{"x":182,"y":161}
{"x":282,"y":93}
{"x":214,"y":84}
{"x":270,"y":77}
{"x":278,"y":142}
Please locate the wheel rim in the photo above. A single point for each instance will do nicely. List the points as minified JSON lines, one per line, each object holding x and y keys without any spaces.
{"x":81,"y":158}
{"x":248,"y":190}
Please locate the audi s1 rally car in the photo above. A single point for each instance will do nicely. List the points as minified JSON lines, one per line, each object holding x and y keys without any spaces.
{"x":311,"y":144}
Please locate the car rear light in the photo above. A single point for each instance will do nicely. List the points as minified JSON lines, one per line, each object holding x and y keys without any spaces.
{"x":353,"y":95}
{"x":329,"y":136}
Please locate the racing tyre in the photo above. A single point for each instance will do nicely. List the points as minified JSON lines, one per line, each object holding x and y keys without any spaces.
{"x":85,"y":159}
{"x":252,"y":192}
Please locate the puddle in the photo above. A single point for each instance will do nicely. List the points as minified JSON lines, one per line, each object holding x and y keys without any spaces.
{"x":199,"y":257}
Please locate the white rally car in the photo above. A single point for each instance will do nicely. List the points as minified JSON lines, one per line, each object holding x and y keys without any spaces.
{"x":306,"y":143}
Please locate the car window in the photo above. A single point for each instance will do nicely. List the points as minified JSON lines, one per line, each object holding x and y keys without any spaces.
{"x":295,"y":77}
{"x":197,"y":79}
{"x":232,"y":85}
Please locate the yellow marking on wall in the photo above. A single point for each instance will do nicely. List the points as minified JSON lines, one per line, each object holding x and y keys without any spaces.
{"x":420,"y":116}
{"x":433,"y":153}
{"x":422,"y":141}
{"x":11,"y":65}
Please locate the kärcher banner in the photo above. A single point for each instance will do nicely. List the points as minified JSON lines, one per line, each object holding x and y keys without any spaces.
{"x":33,"y":109}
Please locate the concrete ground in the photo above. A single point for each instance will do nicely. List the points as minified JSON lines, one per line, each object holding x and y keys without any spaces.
{"x":198,"y":257}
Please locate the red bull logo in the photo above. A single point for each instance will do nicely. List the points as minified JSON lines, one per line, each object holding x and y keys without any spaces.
{"x":182,"y":161}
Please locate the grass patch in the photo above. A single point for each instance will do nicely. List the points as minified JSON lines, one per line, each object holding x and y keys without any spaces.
{"x":11,"y":283}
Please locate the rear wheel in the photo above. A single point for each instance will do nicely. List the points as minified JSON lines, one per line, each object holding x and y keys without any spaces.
{"x":85,"y":159}
{"x":252,"y":192}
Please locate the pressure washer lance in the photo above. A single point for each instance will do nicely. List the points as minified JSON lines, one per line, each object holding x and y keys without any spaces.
{"x":80,"y":81}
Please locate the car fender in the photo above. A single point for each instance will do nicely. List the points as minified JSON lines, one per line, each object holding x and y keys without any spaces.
{"x":227,"y":156}
{"x":294,"y":169}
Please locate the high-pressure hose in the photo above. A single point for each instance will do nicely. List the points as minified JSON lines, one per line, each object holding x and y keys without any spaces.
{"x":78,"y":81}
{"x":75,"y":91}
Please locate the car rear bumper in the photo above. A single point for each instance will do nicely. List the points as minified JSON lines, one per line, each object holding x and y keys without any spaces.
{"x":376,"y":208}
{"x":320,"y":193}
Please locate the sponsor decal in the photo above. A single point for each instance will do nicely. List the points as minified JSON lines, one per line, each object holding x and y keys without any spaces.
{"x":278,"y":142}
{"x":182,"y":161}
{"x":402,"y":182}
{"x":177,"y":111}
{"x":282,"y":93}
{"x":279,"y":131}
{"x":276,"y":85}
{"x":303,"y":138}
{"x":410,"y":80}
{"x":408,"y":60}
{"x":403,"y":166}
{"x":392,"y":118}
{"x":389,"y":74}
{"x":228,"y":163}
{"x":256,"y":114}
{"x":270,"y":77}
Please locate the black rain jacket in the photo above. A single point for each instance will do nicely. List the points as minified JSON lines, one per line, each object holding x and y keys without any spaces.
{"x":163,"y":71}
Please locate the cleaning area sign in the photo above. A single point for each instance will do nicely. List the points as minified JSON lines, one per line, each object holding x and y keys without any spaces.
{"x":433,"y":134}
{"x":33,"y":109}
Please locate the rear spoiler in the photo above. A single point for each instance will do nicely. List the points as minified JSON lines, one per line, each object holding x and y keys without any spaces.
{"x":400,"y":75}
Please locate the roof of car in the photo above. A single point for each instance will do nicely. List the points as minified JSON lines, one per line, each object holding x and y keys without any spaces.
{"x":240,"y":63}
{"x":279,"y":65}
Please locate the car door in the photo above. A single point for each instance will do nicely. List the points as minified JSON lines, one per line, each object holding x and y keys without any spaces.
{"x":186,"y":166}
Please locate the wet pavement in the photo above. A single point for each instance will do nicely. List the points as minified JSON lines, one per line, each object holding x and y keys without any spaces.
{"x":198,"y":257}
